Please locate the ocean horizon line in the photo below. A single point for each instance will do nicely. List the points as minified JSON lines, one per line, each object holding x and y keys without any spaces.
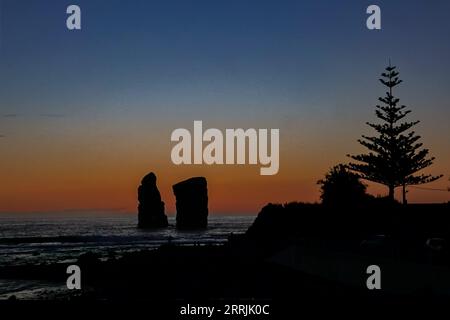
{"x":99,"y":213}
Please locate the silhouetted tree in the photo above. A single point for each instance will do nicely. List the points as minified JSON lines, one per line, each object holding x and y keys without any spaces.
{"x":395,"y":155}
{"x":341,"y":187}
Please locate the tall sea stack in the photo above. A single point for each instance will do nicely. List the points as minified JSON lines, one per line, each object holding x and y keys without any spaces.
{"x":192,"y":203}
{"x":151,"y":208}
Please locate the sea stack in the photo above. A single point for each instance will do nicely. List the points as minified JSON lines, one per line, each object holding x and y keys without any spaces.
{"x":192,"y":203}
{"x":151,"y":208}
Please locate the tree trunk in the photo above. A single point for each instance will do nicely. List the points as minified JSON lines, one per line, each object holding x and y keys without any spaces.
{"x":404,"y":195}
{"x":391,"y":192}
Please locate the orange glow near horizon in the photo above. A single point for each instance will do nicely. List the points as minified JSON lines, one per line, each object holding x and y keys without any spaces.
{"x":70,"y":172}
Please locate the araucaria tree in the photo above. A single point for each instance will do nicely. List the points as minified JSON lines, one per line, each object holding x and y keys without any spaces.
{"x":395,"y":156}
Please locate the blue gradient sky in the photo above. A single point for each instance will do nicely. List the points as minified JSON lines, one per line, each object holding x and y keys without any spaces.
{"x":139,"y":69}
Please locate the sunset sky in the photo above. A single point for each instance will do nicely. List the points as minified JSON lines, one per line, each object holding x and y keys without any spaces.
{"x":84,"y":115}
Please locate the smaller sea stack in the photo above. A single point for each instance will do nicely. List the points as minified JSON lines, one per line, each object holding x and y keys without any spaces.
{"x":151,"y":208}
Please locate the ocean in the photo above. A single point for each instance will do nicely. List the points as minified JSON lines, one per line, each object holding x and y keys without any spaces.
{"x":36,"y":240}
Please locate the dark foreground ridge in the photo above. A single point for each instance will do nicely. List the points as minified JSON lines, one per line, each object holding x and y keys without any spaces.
{"x":294,"y":252}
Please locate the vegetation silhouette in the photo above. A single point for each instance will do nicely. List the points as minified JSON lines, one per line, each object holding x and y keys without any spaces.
{"x":341,"y":187}
{"x":395,"y":155}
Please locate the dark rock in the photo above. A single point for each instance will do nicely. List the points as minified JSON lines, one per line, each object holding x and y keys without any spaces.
{"x":151,"y":208}
{"x":192,"y":203}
